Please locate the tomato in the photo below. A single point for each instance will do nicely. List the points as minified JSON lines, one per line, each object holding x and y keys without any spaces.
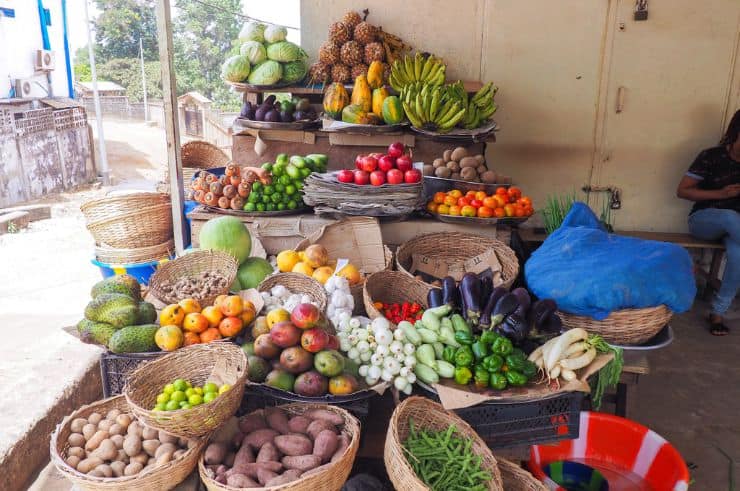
{"x":463,"y":202}
{"x":528,"y":211}
{"x":480,"y":195}
{"x":526,"y":200}
{"x":455,"y":210}
{"x":490,"y":202}
{"x":515,"y":192}
{"x":509,"y":209}
{"x":501,"y":191}
{"x":439,"y":197}
{"x":485,"y":212}
{"x":519,"y":211}
{"x":455,"y":193}
{"x":470,"y":194}
{"x":449,"y":200}
{"x":443,"y":209}
{"x":476,"y":203}
{"x":432,"y":207}
{"x":468,"y":211}
{"x":499,"y":212}
{"x":500,"y":201}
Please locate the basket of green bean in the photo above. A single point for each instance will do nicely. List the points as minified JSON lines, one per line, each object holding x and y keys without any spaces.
{"x":428,"y":447}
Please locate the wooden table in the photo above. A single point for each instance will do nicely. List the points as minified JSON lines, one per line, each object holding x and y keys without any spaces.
{"x":635,"y":365}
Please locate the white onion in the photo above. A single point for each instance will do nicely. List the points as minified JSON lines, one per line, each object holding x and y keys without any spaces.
{"x":363,"y":346}
{"x":396,"y":347}
{"x":363,"y":370}
{"x":398,"y":335}
{"x":366,"y":356}
{"x":383,"y":337}
{"x":407,"y":390}
{"x":374,"y":372}
{"x":392,"y":365}
{"x":409,"y":349}
{"x":400,"y":383}
{"x":381,"y":322}
{"x":411,"y":377}
{"x":354,"y":322}
{"x":376,"y":359}
{"x":362,"y":334}
{"x":386,"y":375}
{"x":410,"y":361}
{"x":344,"y":345}
{"x":353,"y":354}
{"x":404,"y":371}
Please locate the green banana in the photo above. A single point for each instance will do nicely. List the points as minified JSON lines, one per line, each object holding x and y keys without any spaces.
{"x":452,"y":122}
{"x":417,"y":66}
{"x":435,"y":104}
{"x":428,"y":64}
{"x":411,"y":115}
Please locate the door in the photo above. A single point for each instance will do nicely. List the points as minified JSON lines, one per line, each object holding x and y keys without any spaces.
{"x":668,"y":83}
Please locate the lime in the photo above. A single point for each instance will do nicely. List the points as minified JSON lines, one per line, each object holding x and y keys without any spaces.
{"x":276,"y":197}
{"x":199,"y":390}
{"x":250,"y":207}
{"x":265,"y":199}
{"x":279,"y":188}
{"x":195,"y":399}
{"x":281,"y":206}
{"x":163,"y":398}
{"x":168,"y":389}
{"x":284,"y":180}
{"x":292,"y":205}
{"x":269,"y":207}
{"x":180,"y":384}
{"x":172,"y":406}
{"x":178,"y":396}
{"x":161,"y":407}
{"x":210,"y":387}
{"x":269,"y":189}
{"x":185,"y":405}
{"x":256,"y":186}
{"x":253,"y":197}
{"x":293,"y":171}
{"x":267,"y":166}
{"x":209,"y":396}
{"x":298,"y":185}
{"x":190,"y":391}
{"x":278,"y":170}
{"x":224,"y":388}
{"x":290,"y":189}
{"x":187,"y":382}
{"x":305,"y":172}
{"x":260,"y":207}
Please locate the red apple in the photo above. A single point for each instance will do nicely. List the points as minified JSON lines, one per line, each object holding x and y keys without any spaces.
{"x":395,"y":176}
{"x":386,"y":163}
{"x":377,"y":155}
{"x":358,"y":162}
{"x":345,"y":175}
{"x":285,"y":334}
{"x":412,"y":176}
{"x":369,"y":163}
{"x":314,"y":340}
{"x":404,"y":163}
{"x":396,"y":149}
{"x":305,"y":315}
{"x":362,"y":177}
{"x":377,"y":178}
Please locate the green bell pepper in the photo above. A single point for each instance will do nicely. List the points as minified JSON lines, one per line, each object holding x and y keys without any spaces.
{"x":489,"y":337}
{"x":448,"y":354}
{"x":481,"y":378}
{"x":516,"y":362}
{"x":464,"y":356}
{"x":464,"y":337}
{"x":497,"y":381}
{"x":502,"y":346}
{"x":459,"y":324}
{"x":463,"y":375}
{"x":529,"y":370}
{"x":493,"y":363}
{"x":480,"y":350}
{"x":515,"y":378}
{"x":519,"y":352}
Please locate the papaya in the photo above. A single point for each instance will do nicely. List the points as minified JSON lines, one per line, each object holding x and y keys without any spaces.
{"x":335,"y":99}
{"x":375,"y":75}
{"x":392,"y":111}
{"x":356,"y":115}
{"x":379,"y":96}
{"x":361,"y":94}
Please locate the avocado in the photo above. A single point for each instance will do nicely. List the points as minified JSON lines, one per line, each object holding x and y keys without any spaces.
{"x":95,"y":332}
{"x":124,"y":283}
{"x":147,"y":314}
{"x":116,"y":309}
{"x":134,"y":339}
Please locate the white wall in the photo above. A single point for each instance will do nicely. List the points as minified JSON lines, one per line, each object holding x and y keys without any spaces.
{"x":20,"y":37}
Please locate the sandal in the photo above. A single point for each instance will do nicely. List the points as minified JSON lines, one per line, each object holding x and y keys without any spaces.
{"x":718,"y":329}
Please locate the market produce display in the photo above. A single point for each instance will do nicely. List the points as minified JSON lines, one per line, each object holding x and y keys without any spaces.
{"x":226,"y":234}
{"x":315,"y":262}
{"x":393,"y":167}
{"x":504,"y":203}
{"x":369,"y":104}
{"x":180,"y":394}
{"x":228,"y":191}
{"x":272,"y":111}
{"x":459,"y":164}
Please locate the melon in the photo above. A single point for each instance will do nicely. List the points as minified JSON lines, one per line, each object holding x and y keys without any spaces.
{"x":226,"y":234}
{"x":252,"y":272}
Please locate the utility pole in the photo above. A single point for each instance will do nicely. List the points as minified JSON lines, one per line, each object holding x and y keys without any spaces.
{"x":143,"y":79}
{"x":104,"y":171}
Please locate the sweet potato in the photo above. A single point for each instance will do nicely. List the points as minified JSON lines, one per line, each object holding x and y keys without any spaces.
{"x":264,"y":475}
{"x":118,"y":468}
{"x":236,"y":440}
{"x":215,"y":453}
{"x":294,"y":444}
{"x":97,"y":438}
{"x":316,"y":470}
{"x":325,"y":444}
{"x":277,"y":419}
{"x":221,"y":479}
{"x":268,"y":453}
{"x":241,"y":481}
{"x":326,"y":415}
{"x":342,"y":446}
{"x":286,"y":477}
{"x":251,"y":469}
{"x":132,"y":445}
{"x":258,"y":438}
{"x":252,"y":422}
{"x":88,"y":464}
{"x":76,"y":440}
{"x":77,"y":424}
{"x":243,"y":456}
{"x":133,"y":468}
{"x":301,"y":462}
{"x":319,"y":425}
{"x":299,"y":424}
{"x":229,"y":459}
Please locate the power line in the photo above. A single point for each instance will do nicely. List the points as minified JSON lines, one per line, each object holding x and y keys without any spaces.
{"x":240,"y":15}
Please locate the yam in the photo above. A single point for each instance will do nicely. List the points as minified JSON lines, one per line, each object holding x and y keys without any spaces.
{"x":428,"y":170}
{"x":458,"y":153}
{"x":236,"y":440}
{"x":97,"y":438}
{"x":105,"y":470}
{"x":252,"y":422}
{"x":453,"y":166}
{"x":455,"y":175}
{"x":264,"y":475}
{"x":438,"y":163}
{"x":132,"y":445}
{"x":229,"y":459}
{"x":443,"y":172}
{"x":118,"y":468}
{"x":77,"y":424}
{"x":258,"y":438}
{"x":298,"y":424}
{"x":106,"y":450}
{"x":481,"y":169}
{"x":124,"y":420}
{"x":294,"y":444}
{"x":105,"y":425}
{"x":251,"y":469}
{"x":117,"y":440}
{"x":480,"y":158}
{"x":150,"y":446}
{"x":489,"y":177}
{"x":268,"y":453}
{"x":88,"y":464}
{"x":72,"y":461}
{"x":94,"y":418}
{"x":286,"y":477}
{"x":89,"y":430}
{"x":447,"y":155}
{"x":219,"y":469}
{"x":301,"y":462}
{"x":165,"y":448}
{"x":113,"y":414}
{"x":241,"y":481}
{"x":76,"y":440}
{"x":215,"y":453}
{"x":324,"y":445}
{"x":243,"y":457}
{"x":116,"y":429}
{"x":468,"y":173}
{"x":135,"y":428}
{"x":468,"y":162}
{"x":141,"y":458}
{"x":165,"y":437}
{"x":133,"y":468}
{"x":343,"y":445}
{"x":317,"y":426}
{"x":76,"y":451}
{"x":277,"y":419}
{"x":149,"y":434}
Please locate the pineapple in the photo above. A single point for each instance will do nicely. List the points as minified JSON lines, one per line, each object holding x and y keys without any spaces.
{"x":329,"y":53}
{"x":339,"y":33}
{"x":340,"y":73}
{"x":358,"y":70}
{"x":365,"y":33}
{"x":386,"y":71}
{"x":319,"y":73}
{"x":374,"y":52}
{"x":351,"y":53}
{"x":351,"y":19}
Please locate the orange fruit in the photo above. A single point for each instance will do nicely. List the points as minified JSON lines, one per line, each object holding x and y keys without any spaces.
{"x":455,"y":193}
{"x":468,"y":211}
{"x":351,"y":273}
{"x":444,"y":209}
{"x":213,"y":314}
{"x":500,"y":201}
{"x":303,"y":268}
{"x":462,"y":202}
{"x":189,"y":305}
{"x":210,"y":334}
{"x":248,"y":315}
{"x":191,"y":338}
{"x":509,"y":209}
{"x":480,"y":195}
{"x":450,"y":200}
{"x":499,"y":212}
{"x":439,"y":197}
{"x":432,"y":207}
{"x":169,"y":338}
{"x":287,"y":259}
{"x":455,"y":211}
{"x":485,"y":212}
{"x":343,"y":384}
{"x":322,"y":274}
{"x":232,"y":305}
{"x":219,"y":299}
{"x":470,"y":194}
{"x":519,"y":211}
{"x":230,"y":326}
{"x":195,"y":322}
{"x":172,"y":315}
{"x":526,"y":200}
{"x":515,"y":192}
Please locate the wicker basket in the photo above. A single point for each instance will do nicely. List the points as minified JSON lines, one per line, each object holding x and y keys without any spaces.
{"x":517,"y":479}
{"x":200,"y":154}
{"x":455,"y":248}
{"x":136,"y":219}
{"x":190,"y":265}
{"x":112,"y":255}
{"x":392,"y":287}
{"x":331,"y":479}
{"x":297,"y":283}
{"x":162,"y":477}
{"x":431,"y":415}
{"x":626,"y":327}
{"x":222,"y":363}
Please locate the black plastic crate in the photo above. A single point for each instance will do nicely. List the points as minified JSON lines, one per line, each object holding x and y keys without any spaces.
{"x":115,"y":369}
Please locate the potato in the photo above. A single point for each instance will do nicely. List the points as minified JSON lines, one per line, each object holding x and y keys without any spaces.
{"x":104,"y":469}
{"x":443,"y":172}
{"x":264,"y":475}
{"x":76,"y":440}
{"x":481,"y":169}
{"x":105,"y":425}
{"x":241,"y":481}
{"x":480,"y":158}
{"x":93,"y":442}
{"x":317,"y":426}
{"x":164,"y":457}
{"x":134,"y":428}
{"x":88,"y":464}
{"x":258,"y":438}
{"x":268,"y":453}
{"x":468,"y":173}
{"x":455,"y":175}
{"x":151,"y":461}
{"x":298,"y":424}
{"x":116,"y":429}
{"x":132,"y":445}
{"x":243,"y":456}
{"x":150,"y":446}
{"x":438,"y":163}
{"x":76,"y":451}
{"x":96,"y":473}
{"x":325,"y":444}
{"x":106,"y":450}
{"x":447,"y":155}
{"x":72,"y":461}
{"x":141,"y":458}
{"x":344,"y":442}
{"x":121,"y":456}
{"x":94,"y":418}
{"x":427,"y":170}
{"x":453,"y":166}
{"x":113,"y":414}
{"x":118,"y":468}
{"x":489,"y":177}
{"x":286,"y":477}
{"x":182,"y":442}
{"x":294,"y":444}
{"x":89,"y":430}
{"x":77,"y":424}
{"x":149,"y":434}
{"x":468,"y":162}
{"x":165,"y":437}
{"x":301,"y":462}
{"x":229,"y":459}
{"x":117,"y":440}
{"x":165,"y":448}
{"x":215,"y":453}
{"x":504,"y":179}
{"x":124,"y":420}
{"x":277,"y":419}
{"x":252,"y":422}
{"x":133,"y":468}
{"x":179,"y":453}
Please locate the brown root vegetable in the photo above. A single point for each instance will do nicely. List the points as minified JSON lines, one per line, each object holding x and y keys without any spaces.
{"x":132,"y":445}
{"x":243,"y":456}
{"x":325,"y":444}
{"x":453,"y":166}
{"x":458,"y":153}
{"x":428,"y":170}
{"x":117,"y":440}
{"x":443,"y":172}
{"x":121,"y":455}
{"x":258,"y":438}
{"x":141,"y":458}
{"x":251,"y":469}
{"x":72,"y":461}
{"x":116,"y":429}
{"x":342,"y":447}
{"x":489,"y":177}
{"x":106,"y":450}
{"x":229,"y":459}
{"x":241,"y":481}
{"x":504,"y":179}
{"x":268,"y":453}
{"x":88,"y":464}
{"x":89,"y":430}
{"x":480,"y":158}
{"x":76,"y":440}
{"x":277,"y":419}
{"x":317,"y":426}
{"x":94,"y":418}
{"x":135,"y":428}
{"x":468,"y":173}
{"x":163,"y":458}
{"x":113,"y":414}
{"x":293,"y":444}
{"x":325,"y":415}
{"x":118,"y":468}
{"x":124,"y":420}
{"x":288,"y":476}
{"x":468,"y":162}
{"x":132,"y":469}
{"x":77,"y":452}
{"x":264,"y":475}
{"x":301,"y":462}
{"x":150,"y":446}
{"x":97,"y":438}
{"x":438,"y":163}
{"x":316,"y":470}
{"x":77,"y":424}
{"x":149,"y":434}
{"x":252,"y":422}
{"x":447,"y":155}
{"x":298,"y":424}
{"x":456,"y":176}
{"x":236,"y":440}
{"x":215,"y":453}
{"x":104,"y":469}
{"x":165,"y":448}
{"x":165,"y":437}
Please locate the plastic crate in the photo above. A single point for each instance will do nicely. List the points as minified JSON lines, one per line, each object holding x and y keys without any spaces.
{"x":115,"y":369}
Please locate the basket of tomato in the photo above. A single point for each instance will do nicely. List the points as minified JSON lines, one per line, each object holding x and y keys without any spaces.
{"x":506,"y":204}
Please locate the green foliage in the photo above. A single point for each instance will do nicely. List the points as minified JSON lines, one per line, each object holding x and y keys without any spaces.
{"x":82,"y":73}
{"x":126,"y":72}
{"x":120,"y":25}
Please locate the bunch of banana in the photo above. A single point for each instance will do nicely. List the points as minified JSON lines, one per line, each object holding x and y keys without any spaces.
{"x":431,"y":107}
{"x":429,"y":69}
{"x":480,"y":107}
{"x":393,"y":45}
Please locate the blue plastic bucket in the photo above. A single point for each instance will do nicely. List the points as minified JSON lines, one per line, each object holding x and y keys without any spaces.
{"x":141,"y":271}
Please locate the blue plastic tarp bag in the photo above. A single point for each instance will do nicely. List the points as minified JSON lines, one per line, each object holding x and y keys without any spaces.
{"x":590,"y":272}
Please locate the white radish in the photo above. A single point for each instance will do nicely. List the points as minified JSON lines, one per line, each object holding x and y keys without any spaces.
{"x":576,"y":349}
{"x":567,"y":374}
{"x":555,"y":372}
{"x":581,"y":361}
{"x":540,"y":362}
{"x":562,"y":343}
{"x":536,"y":353}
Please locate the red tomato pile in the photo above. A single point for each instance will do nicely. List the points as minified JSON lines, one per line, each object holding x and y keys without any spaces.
{"x":504,"y":203}
{"x":396,"y":312}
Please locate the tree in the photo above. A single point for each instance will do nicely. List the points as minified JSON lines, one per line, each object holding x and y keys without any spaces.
{"x":119,"y":26}
{"x":126,"y":72}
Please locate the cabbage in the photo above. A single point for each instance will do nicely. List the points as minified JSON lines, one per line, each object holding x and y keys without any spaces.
{"x":254,"y":51}
{"x":274,"y":34}
{"x":266,"y":73}
{"x":294,"y":71}
{"x":235,"y":69}
{"x":252,"y":31}
{"x":285,"y":51}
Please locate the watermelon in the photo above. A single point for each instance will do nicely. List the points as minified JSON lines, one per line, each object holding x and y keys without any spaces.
{"x":226,"y":234}
{"x":252,"y":272}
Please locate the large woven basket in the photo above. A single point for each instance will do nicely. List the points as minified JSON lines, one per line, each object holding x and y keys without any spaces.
{"x":456,"y":248}
{"x":200,"y":154}
{"x":130,"y":220}
{"x":428,"y":415}
{"x":330,"y":479}
{"x":191,"y":265}
{"x":517,"y":479}
{"x":159,"y":478}
{"x":113,"y":255}
{"x":297,"y":283}
{"x":392,"y":287}
{"x":221,"y":363}
{"x":626,"y":327}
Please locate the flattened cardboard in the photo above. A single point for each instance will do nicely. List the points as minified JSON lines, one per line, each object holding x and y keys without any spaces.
{"x":438,"y":267}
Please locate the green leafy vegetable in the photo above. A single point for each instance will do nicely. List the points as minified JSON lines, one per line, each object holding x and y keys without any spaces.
{"x":254,"y":51}
{"x":274,"y":34}
{"x":253,"y":31}
{"x":609,"y":374}
{"x":285,"y":51}
{"x":235,"y":69}
{"x":266,"y":73}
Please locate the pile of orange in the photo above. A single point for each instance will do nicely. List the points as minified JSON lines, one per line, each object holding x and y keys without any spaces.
{"x":503,"y":203}
{"x":185,"y":322}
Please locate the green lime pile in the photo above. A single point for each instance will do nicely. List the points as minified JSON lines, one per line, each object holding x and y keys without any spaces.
{"x":288,"y":175}
{"x":181,"y":394}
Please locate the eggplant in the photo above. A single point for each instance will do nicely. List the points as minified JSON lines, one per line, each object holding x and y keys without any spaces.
{"x":552,"y":325}
{"x":272,"y":116}
{"x":270,"y":100}
{"x":485,"y":316}
{"x":246,"y":108}
{"x":286,"y":116}
{"x":506,"y":305}
{"x":259,"y":114}
{"x":515,"y":328}
{"x":470,"y":293}
{"x":523,"y":296}
{"x":542,"y":310}
{"x":434,"y":297}
{"x":521,"y":311}
{"x":450,"y":294}
{"x":486,"y":287}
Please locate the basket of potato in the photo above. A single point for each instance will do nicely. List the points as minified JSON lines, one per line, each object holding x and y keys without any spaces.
{"x":298,"y":447}
{"x":103,"y":446}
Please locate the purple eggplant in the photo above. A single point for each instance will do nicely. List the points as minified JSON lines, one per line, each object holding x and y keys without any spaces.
{"x":486,"y":287}
{"x":450,"y":294}
{"x":552,"y":325}
{"x":485,"y":316}
{"x":542,"y":310}
{"x":515,"y":328}
{"x":505,"y":306}
{"x":522,"y":295}
{"x":470,"y":293}
{"x":434,"y":297}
